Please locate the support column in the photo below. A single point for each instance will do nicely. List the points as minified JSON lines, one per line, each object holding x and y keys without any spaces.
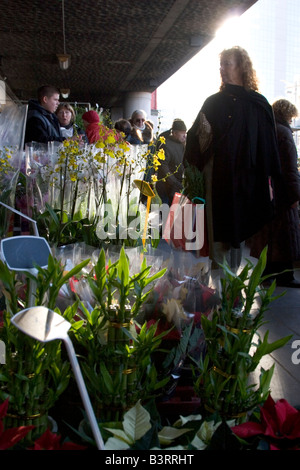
{"x":137,"y":100}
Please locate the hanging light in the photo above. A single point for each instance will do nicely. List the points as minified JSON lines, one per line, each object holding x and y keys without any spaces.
{"x":64,"y":59}
{"x":65,"y":92}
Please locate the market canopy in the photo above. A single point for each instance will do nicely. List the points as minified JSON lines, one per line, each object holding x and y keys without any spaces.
{"x":114,"y":46}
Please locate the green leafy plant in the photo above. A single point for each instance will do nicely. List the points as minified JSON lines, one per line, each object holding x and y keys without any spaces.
{"x":34,"y":374}
{"x":116,"y":351}
{"x":140,"y":431}
{"x":234,"y":347}
{"x":193,"y":182}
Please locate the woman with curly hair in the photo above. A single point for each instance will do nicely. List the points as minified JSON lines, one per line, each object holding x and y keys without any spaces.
{"x":282,"y":234}
{"x":233,"y":142}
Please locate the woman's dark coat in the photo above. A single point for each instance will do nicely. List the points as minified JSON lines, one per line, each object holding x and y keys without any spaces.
{"x":245,"y":156}
{"x":282,"y":235}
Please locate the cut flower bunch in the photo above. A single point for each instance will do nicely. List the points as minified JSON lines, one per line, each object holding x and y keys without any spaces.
{"x":86,"y":192}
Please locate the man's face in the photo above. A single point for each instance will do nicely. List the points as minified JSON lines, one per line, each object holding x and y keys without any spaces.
{"x":139,"y":121}
{"x":180,"y":136}
{"x":50,"y":103}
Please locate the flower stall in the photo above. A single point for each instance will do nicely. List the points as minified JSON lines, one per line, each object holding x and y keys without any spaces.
{"x":166,"y":350}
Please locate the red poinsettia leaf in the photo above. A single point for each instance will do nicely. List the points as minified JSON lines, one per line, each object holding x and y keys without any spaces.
{"x":3,"y":408}
{"x":281,"y":420}
{"x":288,"y":419}
{"x":10,"y":437}
{"x":51,"y":441}
{"x":269,"y":418}
{"x":246,"y":430}
{"x":47,"y":441}
{"x":72,"y":446}
{"x":273,"y":447}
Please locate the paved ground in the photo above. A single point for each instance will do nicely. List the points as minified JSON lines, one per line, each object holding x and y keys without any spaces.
{"x":283,"y":319}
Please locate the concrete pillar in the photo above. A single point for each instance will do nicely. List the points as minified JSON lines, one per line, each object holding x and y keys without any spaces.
{"x":137,"y":100}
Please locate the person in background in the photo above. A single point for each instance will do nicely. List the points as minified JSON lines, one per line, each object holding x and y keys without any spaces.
{"x":170,"y":172}
{"x":233,"y":142}
{"x":42,"y":124}
{"x":167,"y":133}
{"x":66,"y":116}
{"x":91,"y":122}
{"x":123,"y":125}
{"x":142,"y":130}
{"x":282,"y":234}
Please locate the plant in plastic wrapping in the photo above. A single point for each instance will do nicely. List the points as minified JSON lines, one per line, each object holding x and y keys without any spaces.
{"x":178,"y":304}
{"x":86,"y":192}
{"x":122,"y":220}
{"x":35,"y":374}
{"x":12,"y":119}
{"x":63,"y":190}
{"x":115,"y":350}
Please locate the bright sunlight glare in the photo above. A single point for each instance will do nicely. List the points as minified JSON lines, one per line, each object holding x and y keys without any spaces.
{"x":183,"y":94}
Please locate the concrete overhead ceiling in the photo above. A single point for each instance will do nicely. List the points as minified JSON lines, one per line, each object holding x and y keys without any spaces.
{"x":115,"y":46}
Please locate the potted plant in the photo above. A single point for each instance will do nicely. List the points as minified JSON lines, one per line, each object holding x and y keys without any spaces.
{"x":115,"y":350}
{"x":34,"y":374}
{"x":233,"y":345}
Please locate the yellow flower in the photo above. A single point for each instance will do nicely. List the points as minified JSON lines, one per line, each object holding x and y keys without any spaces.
{"x":161,"y":154}
{"x":100,"y":144}
{"x":154,"y":178}
{"x":110,"y":139}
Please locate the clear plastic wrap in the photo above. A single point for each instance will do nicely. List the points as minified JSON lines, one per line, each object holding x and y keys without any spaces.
{"x":12,"y":126}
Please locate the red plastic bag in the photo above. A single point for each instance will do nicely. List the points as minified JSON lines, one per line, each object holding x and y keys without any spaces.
{"x":185,"y":227}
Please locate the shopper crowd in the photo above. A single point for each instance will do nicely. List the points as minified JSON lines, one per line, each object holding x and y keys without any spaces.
{"x":248,"y":159}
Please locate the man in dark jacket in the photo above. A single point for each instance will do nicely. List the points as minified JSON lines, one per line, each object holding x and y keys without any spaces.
{"x":42,"y":123}
{"x":170,"y":172}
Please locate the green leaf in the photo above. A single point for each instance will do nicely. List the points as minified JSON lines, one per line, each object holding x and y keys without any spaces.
{"x":168,"y":434}
{"x":224,"y":439}
{"x":107,"y":378}
{"x":114,"y":443}
{"x":52,"y":213}
{"x":266,"y":348}
{"x":136,"y":422}
{"x":123,"y":268}
{"x":120,"y":435}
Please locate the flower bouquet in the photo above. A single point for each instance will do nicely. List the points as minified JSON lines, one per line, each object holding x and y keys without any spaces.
{"x":86,"y":192}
